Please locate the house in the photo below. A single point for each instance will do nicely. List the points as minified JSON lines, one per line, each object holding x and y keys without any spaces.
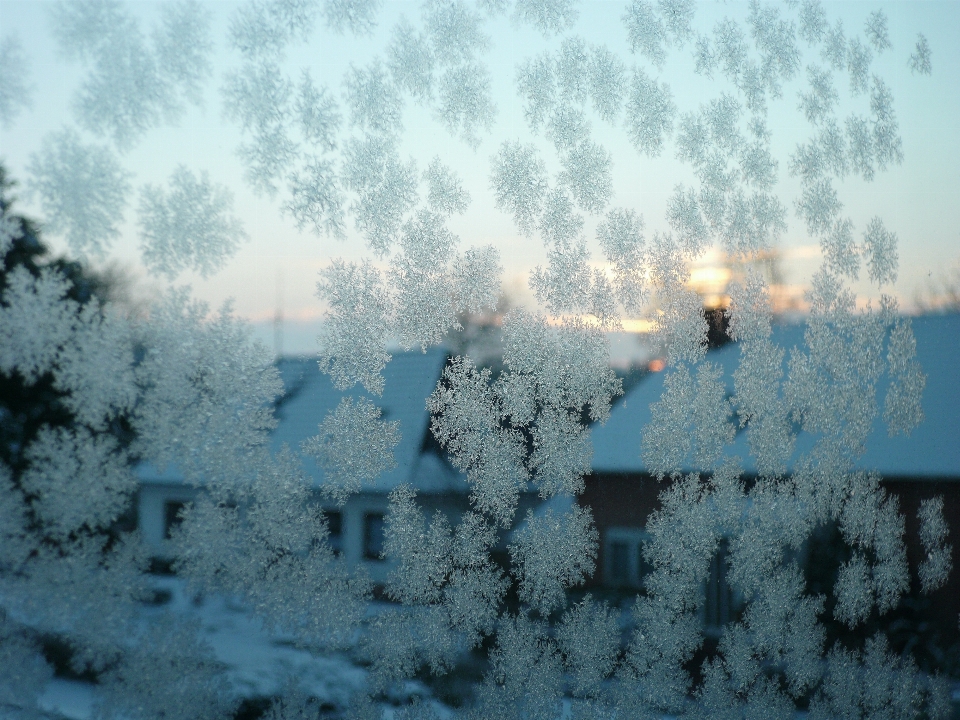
{"x":622,"y":493}
{"x":356,"y":529}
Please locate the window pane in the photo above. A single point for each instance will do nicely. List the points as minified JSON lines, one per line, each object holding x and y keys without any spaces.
{"x":335,"y":525}
{"x":619,"y":563}
{"x":372,"y":536}
{"x":171,"y":516}
{"x":643,"y":567}
{"x":718,"y":601}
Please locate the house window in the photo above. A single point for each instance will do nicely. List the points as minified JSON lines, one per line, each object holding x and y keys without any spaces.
{"x":335,"y":526}
{"x":373,"y":536}
{"x":620,"y":563}
{"x":624,"y":565}
{"x":719,"y":602}
{"x":171,"y":516}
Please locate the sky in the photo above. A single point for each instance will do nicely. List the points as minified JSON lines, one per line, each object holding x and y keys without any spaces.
{"x":277,"y":268}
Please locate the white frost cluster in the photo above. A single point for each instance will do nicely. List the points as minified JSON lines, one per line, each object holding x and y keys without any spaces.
{"x":188,"y":228}
{"x":15,"y":92}
{"x":353,"y":446}
{"x":920,"y":57}
{"x":190,"y":393}
{"x":82,"y":190}
{"x":933,"y":532}
{"x":132,"y":87}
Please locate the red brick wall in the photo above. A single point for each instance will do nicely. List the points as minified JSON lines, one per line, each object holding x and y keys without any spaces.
{"x":945,"y":602}
{"x":619,"y":501}
{"x":624,"y":500}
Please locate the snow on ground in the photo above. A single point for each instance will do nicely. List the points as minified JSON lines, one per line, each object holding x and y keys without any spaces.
{"x":258,"y":663}
{"x":68,"y":698}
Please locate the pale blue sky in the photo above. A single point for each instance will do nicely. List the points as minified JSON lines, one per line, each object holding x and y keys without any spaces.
{"x":919,"y":200}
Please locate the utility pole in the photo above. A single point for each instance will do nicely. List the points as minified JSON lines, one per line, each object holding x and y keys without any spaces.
{"x":278,"y":318}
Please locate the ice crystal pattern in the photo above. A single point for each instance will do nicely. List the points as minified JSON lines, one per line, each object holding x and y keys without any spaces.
{"x":193,"y":395}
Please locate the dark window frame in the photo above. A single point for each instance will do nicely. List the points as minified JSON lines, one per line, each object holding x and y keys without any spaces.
{"x":334,"y":520}
{"x":373,"y":546}
{"x":625,"y":544}
{"x":171,"y":515}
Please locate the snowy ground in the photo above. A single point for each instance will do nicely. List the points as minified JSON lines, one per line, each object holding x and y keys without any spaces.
{"x":259,"y":664}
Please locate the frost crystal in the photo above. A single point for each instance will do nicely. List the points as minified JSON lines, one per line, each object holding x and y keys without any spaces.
{"x":858,"y":63}
{"x":189,"y":228}
{"x":589,"y":638}
{"x":689,"y":424}
{"x":564,"y":285}
{"x":411,"y":61}
{"x":877,"y":32}
{"x":476,"y":279}
{"x":560,"y":225}
{"x":445,"y":190}
{"x":607,"y":81}
{"x":355,"y":334}
{"x":650,"y":112}
{"x":723,"y":563}
{"x":835,"y":47}
{"x":263,"y":28}
{"x":132,"y":88}
{"x":621,"y":237}
{"x":424,"y":297}
{"x":317,"y":200}
{"x":536,"y":86}
{"x":645,"y":32}
{"x":880,"y":247}
{"x":82,"y":190}
{"x":10,"y":230}
{"x":466,"y":421}
{"x":920,"y":57}
{"x":385,"y":187}
{"x":936,"y":567}
{"x":465,"y":106}
{"x":318,"y":115}
{"x":357,"y":16}
{"x":901,"y":409}
{"x":353,"y":447}
{"x":587,"y":171}
{"x":14,"y":70}
{"x":813,"y":21}
{"x":519,"y":180}
{"x":775,"y":40}
{"x":455,"y":31}
{"x":550,"y":17}
{"x":34,"y":323}
{"x":375,"y":105}
{"x":819,"y":103}
{"x":195,"y":363}
{"x":551,"y":553}
{"x":259,"y":98}
{"x":100,"y":483}
{"x":887,"y":145}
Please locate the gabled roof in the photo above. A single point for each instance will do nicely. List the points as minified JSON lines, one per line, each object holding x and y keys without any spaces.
{"x":409,"y":378}
{"x":931,"y":451}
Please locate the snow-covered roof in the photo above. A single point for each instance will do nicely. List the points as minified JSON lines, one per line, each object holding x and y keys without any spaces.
{"x":931,"y":451}
{"x":409,"y":378}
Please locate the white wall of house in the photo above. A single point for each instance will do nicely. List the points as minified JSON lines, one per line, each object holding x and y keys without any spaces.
{"x":157,"y":500}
